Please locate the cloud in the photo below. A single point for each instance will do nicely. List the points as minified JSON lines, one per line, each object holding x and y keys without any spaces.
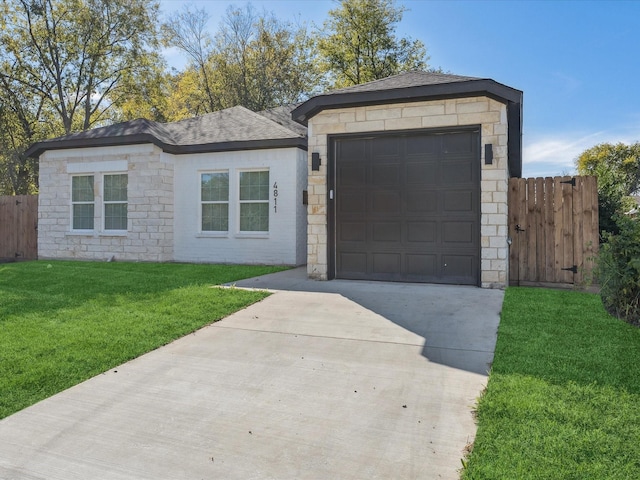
{"x":555,"y":154}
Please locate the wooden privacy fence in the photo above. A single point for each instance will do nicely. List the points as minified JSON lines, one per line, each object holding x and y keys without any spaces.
{"x":18,"y":227}
{"x":553,"y":226}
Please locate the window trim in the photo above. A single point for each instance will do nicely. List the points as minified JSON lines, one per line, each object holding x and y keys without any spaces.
{"x":113,"y":202}
{"x":74,"y":203}
{"x":213,"y":233}
{"x":267,"y":201}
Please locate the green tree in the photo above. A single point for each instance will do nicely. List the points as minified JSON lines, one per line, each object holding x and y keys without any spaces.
{"x":254,"y":60}
{"x":618,"y":170}
{"x":358,"y":43}
{"x":68,"y":65}
{"x":187,"y":30}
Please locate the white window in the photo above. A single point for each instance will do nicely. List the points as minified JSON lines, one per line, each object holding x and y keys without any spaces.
{"x":115,"y":201}
{"x":89,"y":211}
{"x":254,"y":201}
{"x":214,"y":201}
{"x":82,"y":202}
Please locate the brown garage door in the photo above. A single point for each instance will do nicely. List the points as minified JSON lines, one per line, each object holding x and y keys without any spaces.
{"x":406,"y":207}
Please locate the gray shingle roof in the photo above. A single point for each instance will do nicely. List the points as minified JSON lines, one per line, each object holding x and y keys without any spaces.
{"x":235,"y":128}
{"x":404,"y":80}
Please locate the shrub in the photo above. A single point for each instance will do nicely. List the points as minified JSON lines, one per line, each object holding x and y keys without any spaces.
{"x":618,"y":270}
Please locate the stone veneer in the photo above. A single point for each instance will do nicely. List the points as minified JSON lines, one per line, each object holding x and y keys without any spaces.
{"x":150,"y":204}
{"x":490,"y":114}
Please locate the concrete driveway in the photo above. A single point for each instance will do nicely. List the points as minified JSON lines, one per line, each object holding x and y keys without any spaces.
{"x":322,"y":380}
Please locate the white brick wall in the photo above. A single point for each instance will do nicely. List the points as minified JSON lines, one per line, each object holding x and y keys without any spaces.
{"x":488,"y":113}
{"x":285,"y":243}
{"x":163,"y":226}
{"x":150,"y":204}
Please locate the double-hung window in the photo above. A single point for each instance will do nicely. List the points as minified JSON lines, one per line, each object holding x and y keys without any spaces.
{"x":115,"y":201}
{"x":214,"y":198}
{"x":82,"y":202}
{"x":254,"y":201}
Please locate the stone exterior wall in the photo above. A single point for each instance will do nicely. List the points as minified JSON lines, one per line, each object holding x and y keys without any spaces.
{"x":491,"y":115}
{"x":149,"y":236}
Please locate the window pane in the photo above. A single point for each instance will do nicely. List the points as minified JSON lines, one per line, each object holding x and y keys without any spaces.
{"x":215,"y":187}
{"x":254,"y":185}
{"x":115,"y":216}
{"x":83,"y":216}
{"x":82,"y":189}
{"x":254,"y":217}
{"x":215,"y":217}
{"x":115,"y":188}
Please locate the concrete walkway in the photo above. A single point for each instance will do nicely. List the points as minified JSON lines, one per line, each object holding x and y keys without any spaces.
{"x":322,"y":380}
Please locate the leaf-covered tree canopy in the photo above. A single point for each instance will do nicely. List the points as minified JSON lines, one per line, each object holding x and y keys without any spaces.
{"x":68,"y":65}
{"x":358,"y":43}
{"x":618,"y":170}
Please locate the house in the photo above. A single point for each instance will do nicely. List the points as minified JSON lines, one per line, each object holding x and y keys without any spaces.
{"x":405,"y":179}
{"x":226,"y":187}
{"x":412,"y":180}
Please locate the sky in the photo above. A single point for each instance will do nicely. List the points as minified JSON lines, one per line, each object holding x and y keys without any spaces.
{"x":577,"y":62}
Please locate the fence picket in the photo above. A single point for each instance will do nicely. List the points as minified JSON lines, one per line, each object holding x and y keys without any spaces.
{"x":559,"y":229}
{"x":18,"y":227}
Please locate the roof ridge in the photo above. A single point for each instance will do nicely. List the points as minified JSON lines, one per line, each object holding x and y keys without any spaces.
{"x":281,"y":127}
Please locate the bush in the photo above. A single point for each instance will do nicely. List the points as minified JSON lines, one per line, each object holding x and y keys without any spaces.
{"x":618,"y":270}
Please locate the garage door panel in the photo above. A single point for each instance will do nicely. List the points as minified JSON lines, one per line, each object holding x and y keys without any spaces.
{"x":353,"y":232}
{"x":386,"y":202}
{"x":351,"y":150}
{"x":422,"y":232}
{"x":352,"y":176}
{"x":421,"y":202}
{"x":457,"y":143}
{"x":456,"y":173}
{"x":422,"y":174}
{"x":459,"y":266}
{"x":458,"y":232}
{"x":386,"y":263}
{"x":385,"y":175}
{"x":386,"y":231}
{"x":385,"y":146}
{"x":458,"y":201}
{"x":352,"y":203}
{"x":422,"y":145}
{"x":416,"y":217}
{"x":353,"y":262}
{"x":421,"y":265}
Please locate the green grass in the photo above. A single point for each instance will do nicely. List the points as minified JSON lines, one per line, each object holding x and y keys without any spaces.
{"x":64,"y":322}
{"x":563,"y":397}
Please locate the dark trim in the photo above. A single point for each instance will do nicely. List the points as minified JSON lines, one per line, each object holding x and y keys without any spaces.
{"x":511,"y":97}
{"x":514,"y":139}
{"x":470,"y":88}
{"x":39,"y":148}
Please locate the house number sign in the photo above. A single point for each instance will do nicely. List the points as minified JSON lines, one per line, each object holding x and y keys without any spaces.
{"x":275,"y":197}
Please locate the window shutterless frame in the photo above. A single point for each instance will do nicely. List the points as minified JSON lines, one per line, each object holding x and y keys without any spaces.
{"x":253,"y":199}
{"x":214,"y":201}
{"x":115,"y":202}
{"x":82,"y":203}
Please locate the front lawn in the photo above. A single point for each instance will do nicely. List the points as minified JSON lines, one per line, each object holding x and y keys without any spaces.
{"x":563,"y":397}
{"x":64,"y":322}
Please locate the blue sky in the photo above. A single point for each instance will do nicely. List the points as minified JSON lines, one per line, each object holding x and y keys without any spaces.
{"x":577,"y":62}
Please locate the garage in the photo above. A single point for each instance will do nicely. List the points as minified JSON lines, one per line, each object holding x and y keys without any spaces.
{"x":405,"y":207}
{"x":408,"y":179}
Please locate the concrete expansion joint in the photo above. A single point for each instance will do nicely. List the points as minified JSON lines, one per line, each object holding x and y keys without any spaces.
{"x":316,"y":336}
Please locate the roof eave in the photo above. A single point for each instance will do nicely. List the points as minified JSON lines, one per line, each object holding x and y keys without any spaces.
{"x":39,"y":148}
{"x":468,"y":88}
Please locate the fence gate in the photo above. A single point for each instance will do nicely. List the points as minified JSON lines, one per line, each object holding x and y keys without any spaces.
{"x":553,"y":226}
{"x":18,"y":227}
